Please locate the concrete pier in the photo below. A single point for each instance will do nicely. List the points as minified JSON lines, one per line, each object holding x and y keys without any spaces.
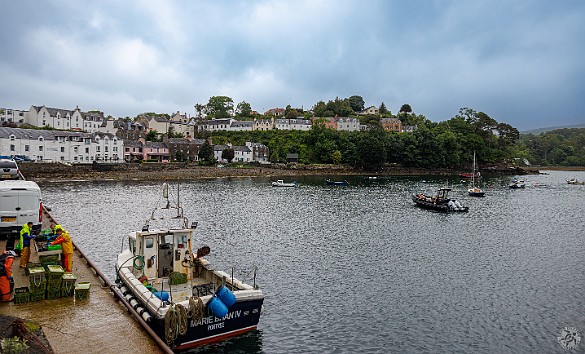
{"x":98,"y":323}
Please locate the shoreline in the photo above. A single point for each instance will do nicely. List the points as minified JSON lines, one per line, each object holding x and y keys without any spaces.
{"x":180,"y":171}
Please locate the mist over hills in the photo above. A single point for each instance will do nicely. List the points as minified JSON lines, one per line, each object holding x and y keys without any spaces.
{"x":544,"y":130}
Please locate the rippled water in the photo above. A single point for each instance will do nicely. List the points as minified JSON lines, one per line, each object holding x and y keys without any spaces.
{"x":361,"y":269}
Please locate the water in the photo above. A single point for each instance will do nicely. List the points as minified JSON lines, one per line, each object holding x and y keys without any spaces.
{"x":361,"y":269}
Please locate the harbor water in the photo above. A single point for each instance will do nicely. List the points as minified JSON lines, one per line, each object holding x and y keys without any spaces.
{"x":360,"y":268}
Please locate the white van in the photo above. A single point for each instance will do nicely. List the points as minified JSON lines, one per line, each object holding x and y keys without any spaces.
{"x":20,"y":202}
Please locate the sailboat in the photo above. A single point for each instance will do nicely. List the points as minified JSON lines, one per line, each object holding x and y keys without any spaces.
{"x":474,"y":191}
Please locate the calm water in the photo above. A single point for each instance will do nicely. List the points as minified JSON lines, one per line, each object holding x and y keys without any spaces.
{"x":361,"y":269}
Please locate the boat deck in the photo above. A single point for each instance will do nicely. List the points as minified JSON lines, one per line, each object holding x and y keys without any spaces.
{"x":97,"y":323}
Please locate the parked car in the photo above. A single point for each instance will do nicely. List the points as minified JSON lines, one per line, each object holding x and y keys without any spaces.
{"x":22,"y":158}
{"x":21,"y":202}
{"x":9,"y":170}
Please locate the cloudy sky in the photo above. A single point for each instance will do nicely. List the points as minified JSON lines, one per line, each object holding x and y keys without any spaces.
{"x":522,"y":62}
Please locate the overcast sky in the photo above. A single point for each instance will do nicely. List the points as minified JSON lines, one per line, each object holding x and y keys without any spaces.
{"x":521,"y":62}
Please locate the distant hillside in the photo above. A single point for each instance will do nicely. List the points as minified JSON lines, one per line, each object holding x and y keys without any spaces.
{"x":544,"y":130}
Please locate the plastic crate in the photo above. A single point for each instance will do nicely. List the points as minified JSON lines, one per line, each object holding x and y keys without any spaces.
{"x":53,"y":294}
{"x":37,"y":279}
{"x":36,"y":296}
{"x":178,"y":278}
{"x":21,"y":295}
{"x":68,"y":284}
{"x":30,"y":265}
{"x":54,"y":276}
{"x":82,"y":290}
{"x":49,"y":259}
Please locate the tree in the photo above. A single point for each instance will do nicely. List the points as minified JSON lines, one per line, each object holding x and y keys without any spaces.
{"x":219,"y":107}
{"x":357,"y":103}
{"x":206,"y":153}
{"x":199,"y":108}
{"x":405,"y":108}
{"x":290,"y":113}
{"x":152,"y":135}
{"x":243,"y":109}
{"x":383,"y":109}
{"x":228,"y":154}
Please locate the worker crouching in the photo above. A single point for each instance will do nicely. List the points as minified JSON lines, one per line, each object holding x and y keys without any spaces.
{"x":6,"y":260}
{"x":64,"y":240}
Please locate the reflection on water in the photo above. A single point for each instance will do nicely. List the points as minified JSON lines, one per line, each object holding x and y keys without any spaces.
{"x":360,"y":268}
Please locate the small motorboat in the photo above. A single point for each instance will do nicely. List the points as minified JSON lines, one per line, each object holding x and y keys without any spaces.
{"x":517,"y":184}
{"x":282,"y":183}
{"x":336,"y":183}
{"x":574,"y":181}
{"x":439,"y":202}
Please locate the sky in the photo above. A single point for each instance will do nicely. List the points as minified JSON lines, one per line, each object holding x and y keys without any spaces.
{"x":521,"y":62}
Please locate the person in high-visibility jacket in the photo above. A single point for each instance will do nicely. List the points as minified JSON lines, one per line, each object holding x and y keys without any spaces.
{"x":25,"y":237}
{"x":64,"y":239}
{"x":6,"y":260}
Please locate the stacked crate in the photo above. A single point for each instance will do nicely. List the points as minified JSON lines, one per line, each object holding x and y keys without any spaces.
{"x":68,"y":284}
{"x":54,"y":279}
{"x":38,"y":283}
{"x":49,"y":259}
{"x":82,"y":290}
{"x":21,"y":295}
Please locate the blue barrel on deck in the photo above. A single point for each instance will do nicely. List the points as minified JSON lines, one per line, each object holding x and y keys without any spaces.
{"x":226,"y":296}
{"x":217,"y":307}
{"x":163,"y":295}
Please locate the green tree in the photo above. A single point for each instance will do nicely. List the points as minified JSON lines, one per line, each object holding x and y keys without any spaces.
{"x":336,"y":157}
{"x":243,"y":109}
{"x":228,"y":154}
{"x":206,"y":153}
{"x":405,"y":108}
{"x":219,"y":107}
{"x":356,"y":103}
{"x":383,"y":109}
{"x":152,"y":135}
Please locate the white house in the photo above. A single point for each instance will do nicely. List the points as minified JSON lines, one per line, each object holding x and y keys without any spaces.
{"x":9,"y":115}
{"x":64,"y":146}
{"x":293,"y":124}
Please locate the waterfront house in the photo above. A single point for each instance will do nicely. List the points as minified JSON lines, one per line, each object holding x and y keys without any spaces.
{"x":293,"y":124}
{"x":184,"y":149}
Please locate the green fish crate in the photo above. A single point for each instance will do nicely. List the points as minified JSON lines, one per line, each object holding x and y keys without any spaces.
{"x":68,"y":285}
{"x":30,"y":265}
{"x":54,"y":276}
{"x":37,"y":280}
{"x":49,"y":259}
{"x":82,"y":290}
{"x":53,"y":294}
{"x":177,"y":278}
{"x":37,"y":296}
{"x":21,"y":295}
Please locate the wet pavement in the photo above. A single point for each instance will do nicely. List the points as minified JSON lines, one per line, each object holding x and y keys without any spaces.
{"x":97,"y":323}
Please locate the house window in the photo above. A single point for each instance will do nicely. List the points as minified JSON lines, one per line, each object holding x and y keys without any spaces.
{"x":12,"y":147}
{"x":97,"y":148}
{"x":26,"y":147}
{"x":87,"y":150}
{"x":62,"y":158}
{"x":62,"y":148}
{"x":106,"y":148}
{"x":40,"y":147}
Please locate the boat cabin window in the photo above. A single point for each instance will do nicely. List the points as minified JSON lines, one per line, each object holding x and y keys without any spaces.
{"x":148,"y":242}
{"x":132,"y":245}
{"x":182,"y":241}
{"x":167,"y":239}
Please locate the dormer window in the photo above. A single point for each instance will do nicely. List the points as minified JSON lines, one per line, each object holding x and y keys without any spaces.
{"x":12,"y":137}
{"x":41,"y":138}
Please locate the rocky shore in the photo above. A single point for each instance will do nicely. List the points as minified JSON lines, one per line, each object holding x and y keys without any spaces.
{"x":182,"y":171}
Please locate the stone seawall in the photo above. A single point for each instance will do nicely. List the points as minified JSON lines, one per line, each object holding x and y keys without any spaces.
{"x":184,"y":171}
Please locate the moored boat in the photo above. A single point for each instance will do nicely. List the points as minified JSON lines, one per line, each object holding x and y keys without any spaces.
{"x":439,"y":202}
{"x":517,"y":184}
{"x":474,"y":190}
{"x":574,"y":181}
{"x":336,"y":183}
{"x":185,"y":301}
{"x":282,"y":183}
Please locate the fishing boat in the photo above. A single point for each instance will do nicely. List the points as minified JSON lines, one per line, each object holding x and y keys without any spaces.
{"x":517,"y":184}
{"x":474,"y":191}
{"x":439,"y":202}
{"x":574,"y":181}
{"x":336,"y":183}
{"x":282,"y":183}
{"x":183,"y":299}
